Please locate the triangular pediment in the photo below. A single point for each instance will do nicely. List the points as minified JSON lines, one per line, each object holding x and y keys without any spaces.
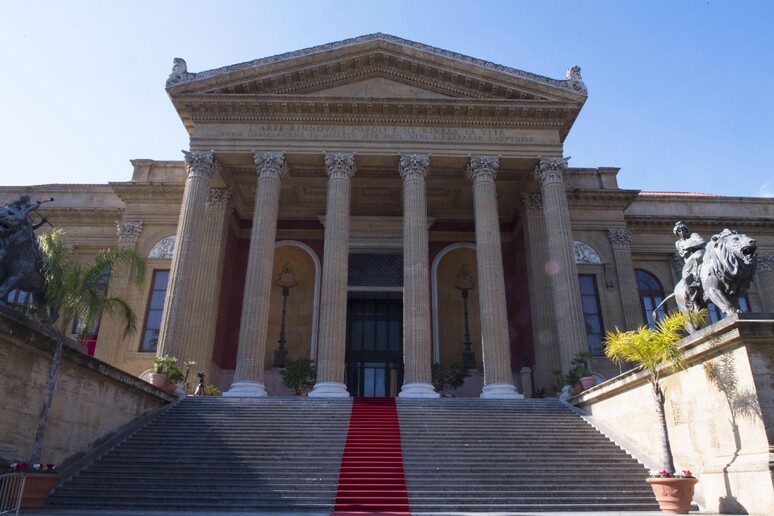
{"x":376,"y":66}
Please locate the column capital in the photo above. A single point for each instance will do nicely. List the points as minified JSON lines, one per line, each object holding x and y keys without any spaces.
{"x":218,"y":198}
{"x":200,"y":163}
{"x":270,"y":164}
{"x":551,"y":170}
{"x":765,"y":263}
{"x":532,"y":202}
{"x":128,"y":232}
{"x":621,"y":238}
{"x":483,"y":168}
{"x":414,"y":166}
{"x":340,"y":165}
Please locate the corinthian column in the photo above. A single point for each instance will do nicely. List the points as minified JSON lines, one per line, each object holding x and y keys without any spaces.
{"x":765,"y":281}
{"x":540,"y":301}
{"x":621,"y":239}
{"x":333,"y":299}
{"x":496,"y":351}
{"x":248,"y":377}
{"x":177,"y":304}
{"x":416,"y":295}
{"x":568,"y":312}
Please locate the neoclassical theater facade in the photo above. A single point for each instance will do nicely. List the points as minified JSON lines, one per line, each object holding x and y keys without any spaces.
{"x":378,"y":205}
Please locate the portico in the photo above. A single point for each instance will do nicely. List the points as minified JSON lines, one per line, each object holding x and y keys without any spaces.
{"x":378,"y":129}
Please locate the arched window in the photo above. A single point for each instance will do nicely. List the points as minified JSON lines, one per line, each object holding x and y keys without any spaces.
{"x":651,"y":295}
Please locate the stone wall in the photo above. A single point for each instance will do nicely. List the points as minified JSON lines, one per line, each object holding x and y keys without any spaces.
{"x":720,"y":413}
{"x":92,"y":401}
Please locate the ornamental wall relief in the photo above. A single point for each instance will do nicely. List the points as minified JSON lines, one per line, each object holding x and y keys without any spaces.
{"x":584,"y":253}
{"x":163,"y":248}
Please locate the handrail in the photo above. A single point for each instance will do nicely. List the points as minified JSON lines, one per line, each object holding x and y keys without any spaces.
{"x":11,"y":490}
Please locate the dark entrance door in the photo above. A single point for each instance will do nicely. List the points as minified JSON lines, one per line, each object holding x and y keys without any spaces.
{"x":374,"y":343}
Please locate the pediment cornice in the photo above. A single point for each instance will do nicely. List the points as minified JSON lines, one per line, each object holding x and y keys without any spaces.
{"x":148,"y":192}
{"x":617,"y":200}
{"x":381,"y":55}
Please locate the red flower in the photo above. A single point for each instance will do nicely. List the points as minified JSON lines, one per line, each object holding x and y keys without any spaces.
{"x":687,"y":473}
{"x":22,"y":466}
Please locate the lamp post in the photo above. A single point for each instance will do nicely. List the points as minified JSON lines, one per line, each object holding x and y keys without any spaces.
{"x":287,"y":280}
{"x":465,"y":284}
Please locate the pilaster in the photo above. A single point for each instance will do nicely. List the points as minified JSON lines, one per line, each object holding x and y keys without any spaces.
{"x":177,"y":304}
{"x":248,"y":377}
{"x":764,"y":277}
{"x":331,"y":381}
{"x":416,"y":279}
{"x":496,"y":352}
{"x":621,"y":240}
{"x":111,"y":328}
{"x":568,"y":312}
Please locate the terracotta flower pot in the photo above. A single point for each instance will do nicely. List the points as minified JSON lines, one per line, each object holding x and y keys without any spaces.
{"x":673,"y":495}
{"x":588,"y":382}
{"x":37,"y":486}
{"x":158,"y":380}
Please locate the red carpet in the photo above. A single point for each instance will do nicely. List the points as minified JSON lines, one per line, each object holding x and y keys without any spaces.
{"x":371,"y":479}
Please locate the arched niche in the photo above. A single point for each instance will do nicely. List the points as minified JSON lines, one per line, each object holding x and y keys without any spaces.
{"x":448,"y":320}
{"x":302,"y":305}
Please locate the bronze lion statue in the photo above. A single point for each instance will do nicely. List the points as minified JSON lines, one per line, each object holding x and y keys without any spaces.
{"x":725,"y":274}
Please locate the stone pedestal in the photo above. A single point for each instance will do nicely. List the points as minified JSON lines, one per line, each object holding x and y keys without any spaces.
{"x":568,"y":312}
{"x":496,"y":353}
{"x":416,"y":280}
{"x":248,"y":376}
{"x":331,"y":382}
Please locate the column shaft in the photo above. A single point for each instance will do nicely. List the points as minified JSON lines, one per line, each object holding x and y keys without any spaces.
{"x":540,"y":300}
{"x":177,"y":310}
{"x":199,"y":333}
{"x":248,"y":377}
{"x":416,"y":279}
{"x":568,"y":311}
{"x":764,"y":280}
{"x":496,"y":352}
{"x":627,"y":280}
{"x":331,"y":380}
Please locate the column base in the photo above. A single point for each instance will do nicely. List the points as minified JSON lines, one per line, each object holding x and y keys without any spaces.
{"x":501,"y":391}
{"x":418,"y":390}
{"x":329,"y":390}
{"x":246,"y":389}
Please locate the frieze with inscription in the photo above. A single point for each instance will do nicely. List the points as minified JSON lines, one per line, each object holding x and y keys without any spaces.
{"x":373,"y":133}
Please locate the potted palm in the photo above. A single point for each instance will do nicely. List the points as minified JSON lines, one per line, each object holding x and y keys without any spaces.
{"x":165,"y":373}
{"x":75,"y":292}
{"x":656,"y":351}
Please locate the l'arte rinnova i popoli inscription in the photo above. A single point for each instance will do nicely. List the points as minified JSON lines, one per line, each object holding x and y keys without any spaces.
{"x":381,"y":133}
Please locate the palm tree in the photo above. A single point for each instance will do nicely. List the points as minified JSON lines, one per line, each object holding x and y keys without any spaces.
{"x":77,"y":292}
{"x":656,"y":351}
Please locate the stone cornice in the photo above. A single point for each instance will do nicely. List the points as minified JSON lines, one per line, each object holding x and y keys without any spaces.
{"x":617,"y":200}
{"x":712,"y":225}
{"x":181,"y":79}
{"x":83,"y":216}
{"x":148,"y":192}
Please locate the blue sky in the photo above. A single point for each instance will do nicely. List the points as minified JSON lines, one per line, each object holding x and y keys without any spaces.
{"x":679,"y":92}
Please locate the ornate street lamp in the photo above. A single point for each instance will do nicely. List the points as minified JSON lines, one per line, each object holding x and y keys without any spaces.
{"x":465,"y":284}
{"x":287,"y":280}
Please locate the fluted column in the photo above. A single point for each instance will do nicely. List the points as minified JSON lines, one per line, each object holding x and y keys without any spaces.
{"x":416,"y":278}
{"x":248,"y":377}
{"x":621,"y":240}
{"x":111,"y":328}
{"x":495,"y":345}
{"x":199,"y":333}
{"x":177,"y":306}
{"x":568,"y":311}
{"x":764,"y":279}
{"x":331,"y":381}
{"x":540,"y":300}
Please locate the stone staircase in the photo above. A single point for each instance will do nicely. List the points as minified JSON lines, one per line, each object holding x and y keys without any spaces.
{"x":477,"y":455}
{"x":284,"y":454}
